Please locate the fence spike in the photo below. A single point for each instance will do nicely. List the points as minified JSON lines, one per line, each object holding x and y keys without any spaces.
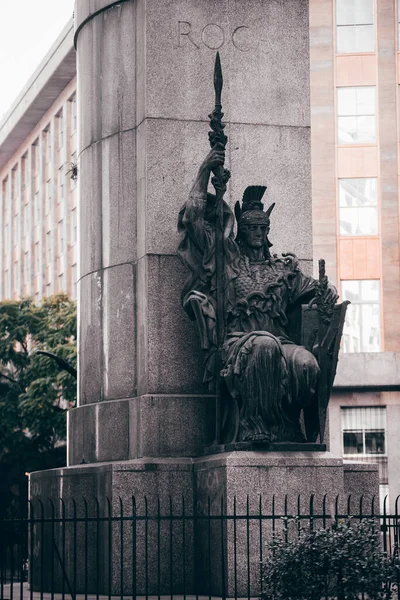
{"x":348,"y":505}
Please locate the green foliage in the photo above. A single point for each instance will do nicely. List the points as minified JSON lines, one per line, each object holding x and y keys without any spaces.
{"x":342,"y":562}
{"x":34,"y":392}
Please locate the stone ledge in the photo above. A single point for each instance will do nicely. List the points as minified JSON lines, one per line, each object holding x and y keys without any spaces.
{"x":368,"y":370}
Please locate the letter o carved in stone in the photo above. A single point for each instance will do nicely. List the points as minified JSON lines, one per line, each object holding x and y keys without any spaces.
{"x":213,"y":36}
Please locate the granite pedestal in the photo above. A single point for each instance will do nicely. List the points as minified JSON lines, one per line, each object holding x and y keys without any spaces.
{"x":206,"y":555}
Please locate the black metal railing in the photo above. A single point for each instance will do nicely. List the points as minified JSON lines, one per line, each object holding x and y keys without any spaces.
{"x":129,"y":547}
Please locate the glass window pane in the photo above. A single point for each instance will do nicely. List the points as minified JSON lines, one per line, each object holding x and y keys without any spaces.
{"x":363,"y":38}
{"x":354,"y":38}
{"x":358,"y":192}
{"x":345,"y":13}
{"x":353,"y":12}
{"x":365,"y":99}
{"x":347,"y":101}
{"x":365,"y":130}
{"x":353,"y":442}
{"x":367,"y":221}
{"x":370,"y":290}
{"x":346,"y":40}
{"x":371,"y":418}
{"x":363,"y":11}
{"x":352,"y":327}
{"x":348,"y":221}
{"x":347,"y":130}
{"x":370,"y":328}
{"x":351,"y":290}
{"x":375,"y":442}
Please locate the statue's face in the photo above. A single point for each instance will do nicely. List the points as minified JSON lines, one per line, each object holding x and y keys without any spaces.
{"x":254,"y":235}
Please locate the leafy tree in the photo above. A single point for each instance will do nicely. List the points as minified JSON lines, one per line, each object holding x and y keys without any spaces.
{"x":34,"y":392}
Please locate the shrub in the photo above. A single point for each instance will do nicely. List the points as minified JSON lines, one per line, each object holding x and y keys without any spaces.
{"x":343,"y":562}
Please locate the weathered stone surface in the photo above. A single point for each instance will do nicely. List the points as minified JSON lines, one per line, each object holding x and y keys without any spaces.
{"x":107,"y":72}
{"x":107,"y":335}
{"x":188,"y":34}
{"x":169,"y":358}
{"x":362,"y":479}
{"x":278,"y":157}
{"x":177,"y":486}
{"x":90,"y":209}
{"x":146,"y":426}
{"x":119,"y":332}
{"x":90,"y":372}
{"x":108,"y":203}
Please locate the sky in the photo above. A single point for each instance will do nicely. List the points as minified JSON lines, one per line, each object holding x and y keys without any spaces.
{"x":28,"y":28}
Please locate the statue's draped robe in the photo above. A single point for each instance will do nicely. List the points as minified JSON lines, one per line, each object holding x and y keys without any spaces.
{"x":269,"y":376}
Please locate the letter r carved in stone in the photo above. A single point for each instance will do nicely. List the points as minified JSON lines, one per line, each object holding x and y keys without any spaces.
{"x":185,"y":30}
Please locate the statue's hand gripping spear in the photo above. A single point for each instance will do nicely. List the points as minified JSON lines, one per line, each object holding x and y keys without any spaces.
{"x":218,"y":139}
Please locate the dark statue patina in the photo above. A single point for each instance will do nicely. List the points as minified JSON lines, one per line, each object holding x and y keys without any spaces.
{"x":270,"y":333}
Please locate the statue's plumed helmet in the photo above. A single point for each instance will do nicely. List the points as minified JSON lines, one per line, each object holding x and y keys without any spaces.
{"x":251,"y":211}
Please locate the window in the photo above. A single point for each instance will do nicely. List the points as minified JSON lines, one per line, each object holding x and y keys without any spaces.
{"x":74,"y":227}
{"x":37,"y":258}
{"x":24,"y":163}
{"x":48,"y":237}
{"x":61,"y":183}
{"x":26,"y":219}
{"x":361,"y":331}
{"x":60,"y":121}
{"x":8,"y":283}
{"x":398,"y":25}
{"x":74,"y":281}
{"x":48,"y":197}
{"x":7,"y":239}
{"x":358,"y":211}
{"x":356,"y":115}
{"x":364,"y":438}
{"x":15,"y":230}
{"x":74,"y":115}
{"x":61,"y":287}
{"x":61,"y":236}
{"x":26,"y":265}
{"x":47,"y":140}
{"x":36,"y":158}
{"x":37,"y":207}
{"x":354,"y":26}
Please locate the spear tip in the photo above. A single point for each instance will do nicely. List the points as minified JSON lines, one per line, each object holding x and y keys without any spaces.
{"x":218,"y":81}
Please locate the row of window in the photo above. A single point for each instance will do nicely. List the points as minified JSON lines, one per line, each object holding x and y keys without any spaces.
{"x":33,"y":194}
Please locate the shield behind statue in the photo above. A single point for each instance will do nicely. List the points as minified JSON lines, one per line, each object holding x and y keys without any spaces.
{"x":321,"y":336}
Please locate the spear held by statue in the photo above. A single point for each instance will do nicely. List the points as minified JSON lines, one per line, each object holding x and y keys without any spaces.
{"x":218,"y":139}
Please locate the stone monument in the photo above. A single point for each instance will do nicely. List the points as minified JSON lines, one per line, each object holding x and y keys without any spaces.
{"x":144,"y":72}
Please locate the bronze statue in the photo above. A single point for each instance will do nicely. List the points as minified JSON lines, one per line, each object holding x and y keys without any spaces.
{"x":248,"y":305}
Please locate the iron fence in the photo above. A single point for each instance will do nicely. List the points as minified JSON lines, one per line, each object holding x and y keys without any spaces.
{"x":130,"y":547}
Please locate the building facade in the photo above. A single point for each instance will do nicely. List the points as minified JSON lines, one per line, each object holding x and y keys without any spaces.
{"x":355,"y":91}
{"x":38,"y":215}
{"x":355,"y":77}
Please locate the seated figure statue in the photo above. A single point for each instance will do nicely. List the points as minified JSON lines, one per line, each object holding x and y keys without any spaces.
{"x":269,"y":377}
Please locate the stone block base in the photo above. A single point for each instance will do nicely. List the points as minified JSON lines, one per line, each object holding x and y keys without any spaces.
{"x":148,"y":425}
{"x":155,"y":524}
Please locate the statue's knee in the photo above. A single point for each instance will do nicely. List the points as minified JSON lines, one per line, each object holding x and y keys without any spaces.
{"x":308,"y":363}
{"x":266,"y":343}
